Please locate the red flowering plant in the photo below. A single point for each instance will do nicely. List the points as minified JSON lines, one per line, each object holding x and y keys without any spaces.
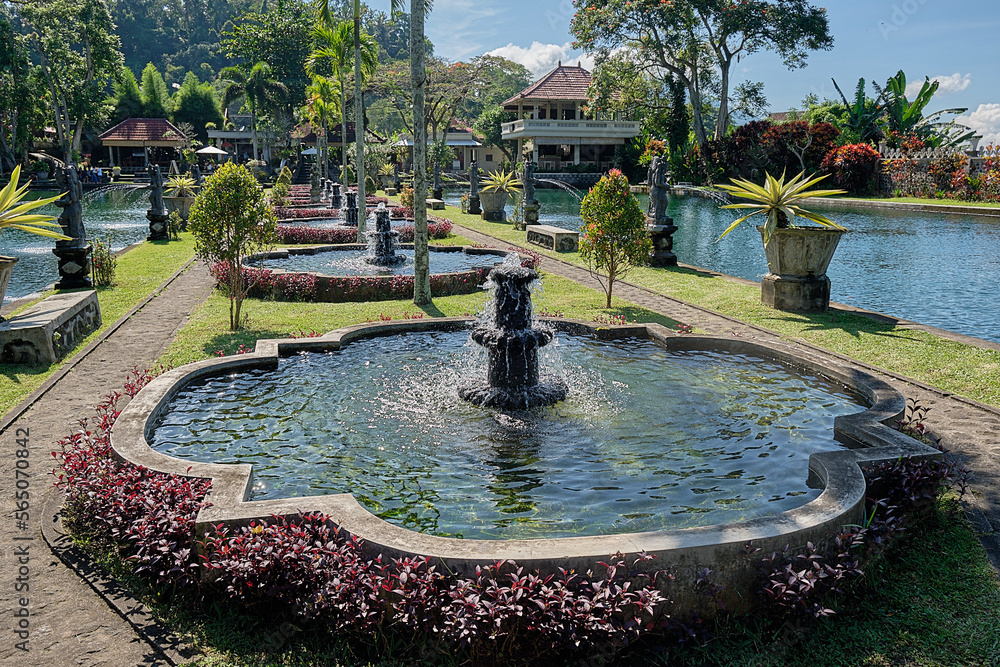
{"x":613,"y":236}
{"x":854,"y":167}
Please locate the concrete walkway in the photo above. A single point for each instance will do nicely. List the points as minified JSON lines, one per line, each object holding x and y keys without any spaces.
{"x":69,"y":623}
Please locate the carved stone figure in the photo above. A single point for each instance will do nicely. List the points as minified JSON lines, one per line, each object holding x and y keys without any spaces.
{"x":658,"y":200}
{"x":529,"y":181}
{"x":475,"y":207}
{"x":155,"y":188}
{"x":71,"y":218}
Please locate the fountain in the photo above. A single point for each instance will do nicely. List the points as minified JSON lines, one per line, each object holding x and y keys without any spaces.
{"x":336,"y":199}
{"x":512,"y":342}
{"x":351,"y":212}
{"x":382,"y":241}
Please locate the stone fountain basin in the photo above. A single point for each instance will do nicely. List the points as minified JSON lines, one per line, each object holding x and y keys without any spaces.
{"x":683,"y":552}
{"x":330,"y":288}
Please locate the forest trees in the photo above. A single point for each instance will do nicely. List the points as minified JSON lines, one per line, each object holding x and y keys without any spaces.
{"x":79,"y":53}
{"x":694,"y":40}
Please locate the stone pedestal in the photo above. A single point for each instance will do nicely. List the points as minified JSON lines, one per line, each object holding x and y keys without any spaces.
{"x":74,"y":267}
{"x":804,"y":294}
{"x":44,"y":333}
{"x":663,"y":244}
{"x":474,"y":207}
{"x":531,"y":209}
{"x":157,"y":226}
{"x":437,"y":193}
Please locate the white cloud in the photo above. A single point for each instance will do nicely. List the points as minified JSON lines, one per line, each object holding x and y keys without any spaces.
{"x":985,"y":121}
{"x":952,"y":83}
{"x":541,"y":58}
{"x":463,"y":33}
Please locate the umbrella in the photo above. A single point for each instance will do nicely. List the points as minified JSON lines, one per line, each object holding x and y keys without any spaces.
{"x":211,"y":150}
{"x":309,"y":151}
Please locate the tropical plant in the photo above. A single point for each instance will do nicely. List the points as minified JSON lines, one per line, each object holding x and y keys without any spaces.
{"x":257,"y":87}
{"x":778,"y":201}
{"x":854,"y":167}
{"x":613,"y":235}
{"x":14,"y":211}
{"x":502,"y":181}
{"x":904,"y":117}
{"x":231,"y":219}
{"x":181,"y":186}
{"x":862,"y":119}
{"x":104,"y":263}
{"x":321,"y":108}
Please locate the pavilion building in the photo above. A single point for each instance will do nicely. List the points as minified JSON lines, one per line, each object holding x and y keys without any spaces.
{"x":136,"y":143}
{"x":563,"y":135}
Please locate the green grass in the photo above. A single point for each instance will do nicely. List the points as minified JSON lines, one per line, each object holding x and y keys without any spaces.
{"x":954,"y":367}
{"x":208,"y":329}
{"x":929,"y":200}
{"x":140,"y":270}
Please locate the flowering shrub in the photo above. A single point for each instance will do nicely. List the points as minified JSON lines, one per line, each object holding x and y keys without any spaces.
{"x":148,"y":513}
{"x":371,"y":200}
{"x":401,"y":212}
{"x":264,"y":283}
{"x":406,"y":197}
{"x":289,"y":213}
{"x":314,"y":569}
{"x":292,"y":235}
{"x":296,"y":286}
{"x":855,"y":167}
{"x":529,"y":258}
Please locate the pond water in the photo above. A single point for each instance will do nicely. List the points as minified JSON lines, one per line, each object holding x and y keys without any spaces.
{"x":352,"y":263}
{"x":118,"y":216}
{"x":935,"y":269}
{"x":647,"y":439}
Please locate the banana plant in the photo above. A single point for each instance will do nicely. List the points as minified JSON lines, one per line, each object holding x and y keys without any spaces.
{"x":905,"y":117}
{"x":862,"y":114}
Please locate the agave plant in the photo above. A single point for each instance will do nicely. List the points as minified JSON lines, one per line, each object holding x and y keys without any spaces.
{"x":14,"y":212}
{"x":502,"y":181}
{"x":777,"y":200}
{"x":181,"y":186}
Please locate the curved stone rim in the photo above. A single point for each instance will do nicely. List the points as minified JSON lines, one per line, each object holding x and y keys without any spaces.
{"x":840,"y":503}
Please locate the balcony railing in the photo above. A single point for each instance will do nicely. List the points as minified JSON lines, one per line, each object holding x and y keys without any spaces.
{"x":617,"y":129}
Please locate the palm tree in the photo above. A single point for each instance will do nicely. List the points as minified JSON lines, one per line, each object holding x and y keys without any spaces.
{"x":334,"y":48}
{"x":321,"y":108}
{"x":260,"y":90}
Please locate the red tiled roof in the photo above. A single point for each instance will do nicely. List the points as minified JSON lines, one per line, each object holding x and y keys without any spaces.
{"x":562,"y":83}
{"x":143,"y":129}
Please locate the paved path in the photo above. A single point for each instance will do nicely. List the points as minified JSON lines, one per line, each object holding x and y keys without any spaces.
{"x":69,"y":623}
{"x":967,"y":428}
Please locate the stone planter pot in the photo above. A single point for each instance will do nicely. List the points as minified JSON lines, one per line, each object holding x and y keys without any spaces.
{"x":180,"y":204}
{"x":6,"y":266}
{"x":797,"y":260}
{"x":493,"y":203}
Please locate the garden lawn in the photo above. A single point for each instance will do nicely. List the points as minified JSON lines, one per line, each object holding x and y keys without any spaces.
{"x":930,"y":201}
{"x":140,"y":271}
{"x":954,"y":367}
{"x":207,"y":331}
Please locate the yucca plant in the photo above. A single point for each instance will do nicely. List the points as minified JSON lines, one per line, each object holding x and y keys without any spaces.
{"x":14,"y":211}
{"x":777,"y":201}
{"x":502,"y":181}
{"x":181,"y":186}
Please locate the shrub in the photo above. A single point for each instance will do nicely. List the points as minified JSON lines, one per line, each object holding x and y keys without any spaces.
{"x":614,"y":237}
{"x":855,"y":167}
{"x":403,"y":212}
{"x":231,"y":219}
{"x":798,"y":146}
{"x":104,"y":262}
{"x":406,"y":197}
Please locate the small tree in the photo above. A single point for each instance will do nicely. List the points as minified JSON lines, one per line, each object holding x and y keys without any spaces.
{"x":614,"y":230}
{"x":231,"y":219}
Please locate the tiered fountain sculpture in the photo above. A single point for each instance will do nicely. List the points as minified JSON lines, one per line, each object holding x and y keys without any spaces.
{"x":351,"y":212}
{"x":512,"y":342}
{"x":382,"y":242}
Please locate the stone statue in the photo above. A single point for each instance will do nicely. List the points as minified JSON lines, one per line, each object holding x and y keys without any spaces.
{"x":529,"y":181}
{"x":196,"y":172}
{"x":155,"y":188}
{"x":473,"y":179}
{"x":396,"y":182}
{"x":658,"y":200}
{"x":71,"y":218}
{"x":438,"y":192}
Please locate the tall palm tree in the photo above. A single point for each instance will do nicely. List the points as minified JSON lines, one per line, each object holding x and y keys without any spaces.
{"x":333,"y":46}
{"x":258,"y":87}
{"x":321,"y":108}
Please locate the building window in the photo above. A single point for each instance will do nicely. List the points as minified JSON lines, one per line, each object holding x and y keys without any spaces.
{"x":489,"y":157}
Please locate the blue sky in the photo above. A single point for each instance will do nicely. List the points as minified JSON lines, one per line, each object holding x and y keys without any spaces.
{"x":955,"y":40}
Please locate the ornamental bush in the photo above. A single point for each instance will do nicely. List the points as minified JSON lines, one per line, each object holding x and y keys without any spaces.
{"x":614,"y":237}
{"x":231,"y":219}
{"x":854,"y":167}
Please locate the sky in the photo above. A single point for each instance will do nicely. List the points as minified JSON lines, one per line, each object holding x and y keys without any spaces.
{"x":954,"y":41}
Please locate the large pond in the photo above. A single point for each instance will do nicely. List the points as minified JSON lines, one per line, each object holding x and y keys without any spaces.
{"x":118,"y":216}
{"x":647,"y":439}
{"x":934,"y":269}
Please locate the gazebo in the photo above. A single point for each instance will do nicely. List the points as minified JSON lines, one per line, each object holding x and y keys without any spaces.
{"x":137,"y":136}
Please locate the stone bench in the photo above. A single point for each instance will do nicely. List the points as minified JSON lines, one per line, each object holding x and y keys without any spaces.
{"x":435,"y":204}
{"x":553,"y":238}
{"x":44,"y":333}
